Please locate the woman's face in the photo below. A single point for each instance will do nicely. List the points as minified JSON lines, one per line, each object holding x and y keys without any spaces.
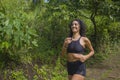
{"x":75,"y":27}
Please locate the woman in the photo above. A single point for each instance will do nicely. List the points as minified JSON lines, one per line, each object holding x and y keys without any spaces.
{"x":75,"y":45}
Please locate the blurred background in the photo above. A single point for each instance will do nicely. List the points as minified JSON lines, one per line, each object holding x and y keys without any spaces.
{"x":32,"y":33}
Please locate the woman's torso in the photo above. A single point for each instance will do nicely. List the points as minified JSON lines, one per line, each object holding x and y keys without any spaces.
{"x":75,"y":48}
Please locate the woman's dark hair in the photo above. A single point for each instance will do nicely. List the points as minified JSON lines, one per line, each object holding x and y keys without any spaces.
{"x":82,"y":27}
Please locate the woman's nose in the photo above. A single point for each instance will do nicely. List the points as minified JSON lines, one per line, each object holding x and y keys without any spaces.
{"x":73,"y":25}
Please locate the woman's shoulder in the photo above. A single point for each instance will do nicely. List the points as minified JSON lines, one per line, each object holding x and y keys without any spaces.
{"x":68,"y":38}
{"x":85,"y":38}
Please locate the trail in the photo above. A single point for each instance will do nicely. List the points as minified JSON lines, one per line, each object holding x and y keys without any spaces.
{"x":109,"y":69}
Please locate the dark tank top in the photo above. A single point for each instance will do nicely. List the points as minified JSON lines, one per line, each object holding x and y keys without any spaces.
{"x":75,"y":47}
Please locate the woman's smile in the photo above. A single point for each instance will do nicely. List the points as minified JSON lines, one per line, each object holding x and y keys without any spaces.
{"x":75,"y":26}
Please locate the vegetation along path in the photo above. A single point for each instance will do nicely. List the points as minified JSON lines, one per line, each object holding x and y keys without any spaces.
{"x":109,"y":69}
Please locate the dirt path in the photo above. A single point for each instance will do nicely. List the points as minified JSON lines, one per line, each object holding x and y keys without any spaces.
{"x":107,"y":70}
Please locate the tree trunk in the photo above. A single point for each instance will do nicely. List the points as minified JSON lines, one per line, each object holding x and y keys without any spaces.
{"x":92,"y":18}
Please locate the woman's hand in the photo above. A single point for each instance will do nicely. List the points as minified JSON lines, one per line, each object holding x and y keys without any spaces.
{"x":83,"y":58}
{"x":67,"y":41}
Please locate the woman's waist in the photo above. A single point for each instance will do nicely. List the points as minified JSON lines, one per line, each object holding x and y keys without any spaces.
{"x":75,"y":62}
{"x":72,"y":60}
{"x":73,"y":57}
{"x":74,"y":54}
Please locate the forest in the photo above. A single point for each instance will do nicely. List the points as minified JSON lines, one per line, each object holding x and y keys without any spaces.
{"x":32,"y":33}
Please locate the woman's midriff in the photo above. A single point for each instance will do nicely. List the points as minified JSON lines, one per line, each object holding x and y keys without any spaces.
{"x":73,"y":57}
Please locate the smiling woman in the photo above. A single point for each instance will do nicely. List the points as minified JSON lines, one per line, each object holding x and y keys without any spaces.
{"x":75,"y":27}
{"x":75,"y":45}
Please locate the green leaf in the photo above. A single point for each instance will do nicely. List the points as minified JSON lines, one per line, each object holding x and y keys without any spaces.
{"x":5,"y":45}
{"x":35,"y":43}
{"x":6,"y":22}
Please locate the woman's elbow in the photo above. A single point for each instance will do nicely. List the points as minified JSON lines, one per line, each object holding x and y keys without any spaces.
{"x":93,"y":52}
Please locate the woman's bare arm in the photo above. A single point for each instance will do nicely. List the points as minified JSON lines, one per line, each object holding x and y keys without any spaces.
{"x":65,"y":45}
{"x":89,"y":46}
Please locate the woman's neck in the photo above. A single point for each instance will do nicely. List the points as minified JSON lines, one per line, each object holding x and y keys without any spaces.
{"x":76,"y":35}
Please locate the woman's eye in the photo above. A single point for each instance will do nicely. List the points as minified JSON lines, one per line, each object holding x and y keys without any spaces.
{"x":75,"y":24}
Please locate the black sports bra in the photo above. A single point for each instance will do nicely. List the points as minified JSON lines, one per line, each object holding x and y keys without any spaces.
{"x":75,"y":47}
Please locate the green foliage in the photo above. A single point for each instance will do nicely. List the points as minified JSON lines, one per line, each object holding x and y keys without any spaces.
{"x":59,"y":71}
{"x":52,"y":72}
{"x":18,"y":75}
{"x":14,"y":75}
{"x":14,"y":28}
{"x":34,"y":33}
{"x":16,"y":34}
{"x":42,"y":72}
